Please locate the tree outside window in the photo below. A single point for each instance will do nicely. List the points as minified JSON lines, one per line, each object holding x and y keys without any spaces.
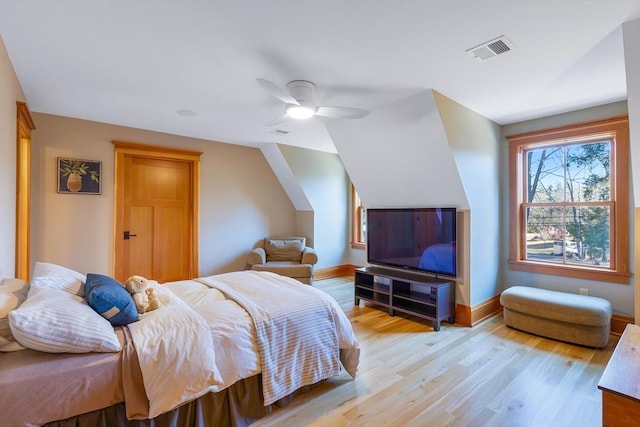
{"x":358,"y":221}
{"x":570,"y":214}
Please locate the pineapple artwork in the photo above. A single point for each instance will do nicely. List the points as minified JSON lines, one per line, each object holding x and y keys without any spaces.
{"x":78,"y":176}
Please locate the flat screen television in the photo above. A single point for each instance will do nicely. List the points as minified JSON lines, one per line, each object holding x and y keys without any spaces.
{"x":420,"y":239}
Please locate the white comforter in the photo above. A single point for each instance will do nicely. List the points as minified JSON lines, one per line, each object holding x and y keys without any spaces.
{"x":204,"y":340}
{"x":176,"y":354}
{"x":297,"y":330}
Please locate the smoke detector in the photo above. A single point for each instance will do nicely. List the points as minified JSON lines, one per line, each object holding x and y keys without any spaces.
{"x":491,"y":48}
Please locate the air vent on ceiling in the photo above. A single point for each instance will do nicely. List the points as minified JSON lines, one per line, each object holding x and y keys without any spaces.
{"x":491,"y":48}
{"x":281,"y":132}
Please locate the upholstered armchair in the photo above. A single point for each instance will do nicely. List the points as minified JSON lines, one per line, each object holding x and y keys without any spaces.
{"x":287,"y":256}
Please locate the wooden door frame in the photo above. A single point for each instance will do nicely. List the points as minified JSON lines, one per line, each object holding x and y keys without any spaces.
{"x":24,"y":126}
{"x":123,"y":149}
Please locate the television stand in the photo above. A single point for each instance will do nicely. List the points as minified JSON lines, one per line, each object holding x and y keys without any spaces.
{"x":416,"y":294}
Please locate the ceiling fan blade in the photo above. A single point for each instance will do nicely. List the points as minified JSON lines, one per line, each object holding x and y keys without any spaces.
{"x":277,"y":121}
{"x":341,"y":112}
{"x":274,"y":90}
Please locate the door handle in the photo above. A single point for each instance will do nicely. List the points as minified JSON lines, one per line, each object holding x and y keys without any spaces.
{"x":128,"y":235}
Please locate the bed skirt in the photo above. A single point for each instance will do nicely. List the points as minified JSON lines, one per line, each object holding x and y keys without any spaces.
{"x":238,"y":405}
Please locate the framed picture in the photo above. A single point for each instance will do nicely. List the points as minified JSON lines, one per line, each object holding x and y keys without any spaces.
{"x":77,"y":176}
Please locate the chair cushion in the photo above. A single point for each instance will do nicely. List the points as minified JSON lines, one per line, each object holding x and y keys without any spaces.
{"x":283,"y":268}
{"x":288,"y":249}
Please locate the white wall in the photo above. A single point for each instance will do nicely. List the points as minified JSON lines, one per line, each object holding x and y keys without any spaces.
{"x":288,"y":180}
{"x":399,"y":155}
{"x":325,"y":183}
{"x":620,"y":296}
{"x":475,"y":141}
{"x":428,"y":150}
{"x":10,"y":93}
{"x":241,"y":201}
{"x":631,"y":36}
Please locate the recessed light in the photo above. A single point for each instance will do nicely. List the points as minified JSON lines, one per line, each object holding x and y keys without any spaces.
{"x":187,"y":113}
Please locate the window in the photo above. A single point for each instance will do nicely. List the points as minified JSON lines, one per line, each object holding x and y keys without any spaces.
{"x":358,"y":221}
{"x":569,"y":192}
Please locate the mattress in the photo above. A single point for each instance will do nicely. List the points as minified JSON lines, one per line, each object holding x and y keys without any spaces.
{"x":38,"y":387}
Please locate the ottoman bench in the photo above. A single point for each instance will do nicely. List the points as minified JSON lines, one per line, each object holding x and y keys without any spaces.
{"x":578,"y":319}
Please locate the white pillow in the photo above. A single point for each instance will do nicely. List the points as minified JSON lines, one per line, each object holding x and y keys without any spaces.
{"x":55,"y":321}
{"x":13,"y":292}
{"x":68,"y":280}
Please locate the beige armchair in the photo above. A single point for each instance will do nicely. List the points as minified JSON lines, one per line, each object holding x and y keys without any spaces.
{"x":287,"y":256}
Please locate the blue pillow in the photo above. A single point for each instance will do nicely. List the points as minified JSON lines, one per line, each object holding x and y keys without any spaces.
{"x":110,"y":299}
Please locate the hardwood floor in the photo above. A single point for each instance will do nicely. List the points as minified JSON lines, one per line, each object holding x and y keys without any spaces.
{"x":488,"y":375}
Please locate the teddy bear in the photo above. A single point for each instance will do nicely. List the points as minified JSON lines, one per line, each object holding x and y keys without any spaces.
{"x":143,"y":294}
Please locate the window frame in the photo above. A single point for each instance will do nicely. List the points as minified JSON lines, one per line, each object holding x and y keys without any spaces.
{"x":356,"y":225}
{"x":617,"y":130}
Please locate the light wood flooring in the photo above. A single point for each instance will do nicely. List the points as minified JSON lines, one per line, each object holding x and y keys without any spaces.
{"x":488,"y":375}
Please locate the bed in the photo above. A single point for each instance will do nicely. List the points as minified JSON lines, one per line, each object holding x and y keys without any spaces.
{"x":222,"y":350}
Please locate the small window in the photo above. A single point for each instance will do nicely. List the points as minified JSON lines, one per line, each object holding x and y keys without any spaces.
{"x":358,"y":221}
{"x":569,"y":201}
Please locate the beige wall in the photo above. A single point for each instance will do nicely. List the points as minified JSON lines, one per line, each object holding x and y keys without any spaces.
{"x":10,"y":93}
{"x":241,"y":200}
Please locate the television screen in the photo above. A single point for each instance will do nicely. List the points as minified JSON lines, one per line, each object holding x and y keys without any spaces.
{"x":422,"y":239}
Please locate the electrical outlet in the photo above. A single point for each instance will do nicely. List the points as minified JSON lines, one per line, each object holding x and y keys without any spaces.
{"x":584,"y":291}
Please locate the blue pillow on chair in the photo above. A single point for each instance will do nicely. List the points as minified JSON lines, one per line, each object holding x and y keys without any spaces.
{"x":110,"y":299}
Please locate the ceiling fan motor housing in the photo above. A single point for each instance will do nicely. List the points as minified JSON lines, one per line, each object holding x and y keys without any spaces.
{"x":302,"y":91}
{"x":299,"y":103}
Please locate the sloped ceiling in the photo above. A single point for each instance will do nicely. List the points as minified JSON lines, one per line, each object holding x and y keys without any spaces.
{"x":136,"y":63}
{"x":399,"y":155}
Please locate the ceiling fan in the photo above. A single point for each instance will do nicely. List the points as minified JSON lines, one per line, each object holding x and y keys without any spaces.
{"x":299,"y":103}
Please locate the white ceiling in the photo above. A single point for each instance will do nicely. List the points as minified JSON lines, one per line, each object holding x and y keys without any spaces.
{"x":135,"y":63}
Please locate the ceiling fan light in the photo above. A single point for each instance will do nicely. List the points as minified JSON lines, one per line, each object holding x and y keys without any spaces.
{"x":300,"y":112}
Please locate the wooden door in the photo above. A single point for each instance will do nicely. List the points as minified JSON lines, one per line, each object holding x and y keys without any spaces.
{"x":23,"y":191}
{"x":156,"y":215}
